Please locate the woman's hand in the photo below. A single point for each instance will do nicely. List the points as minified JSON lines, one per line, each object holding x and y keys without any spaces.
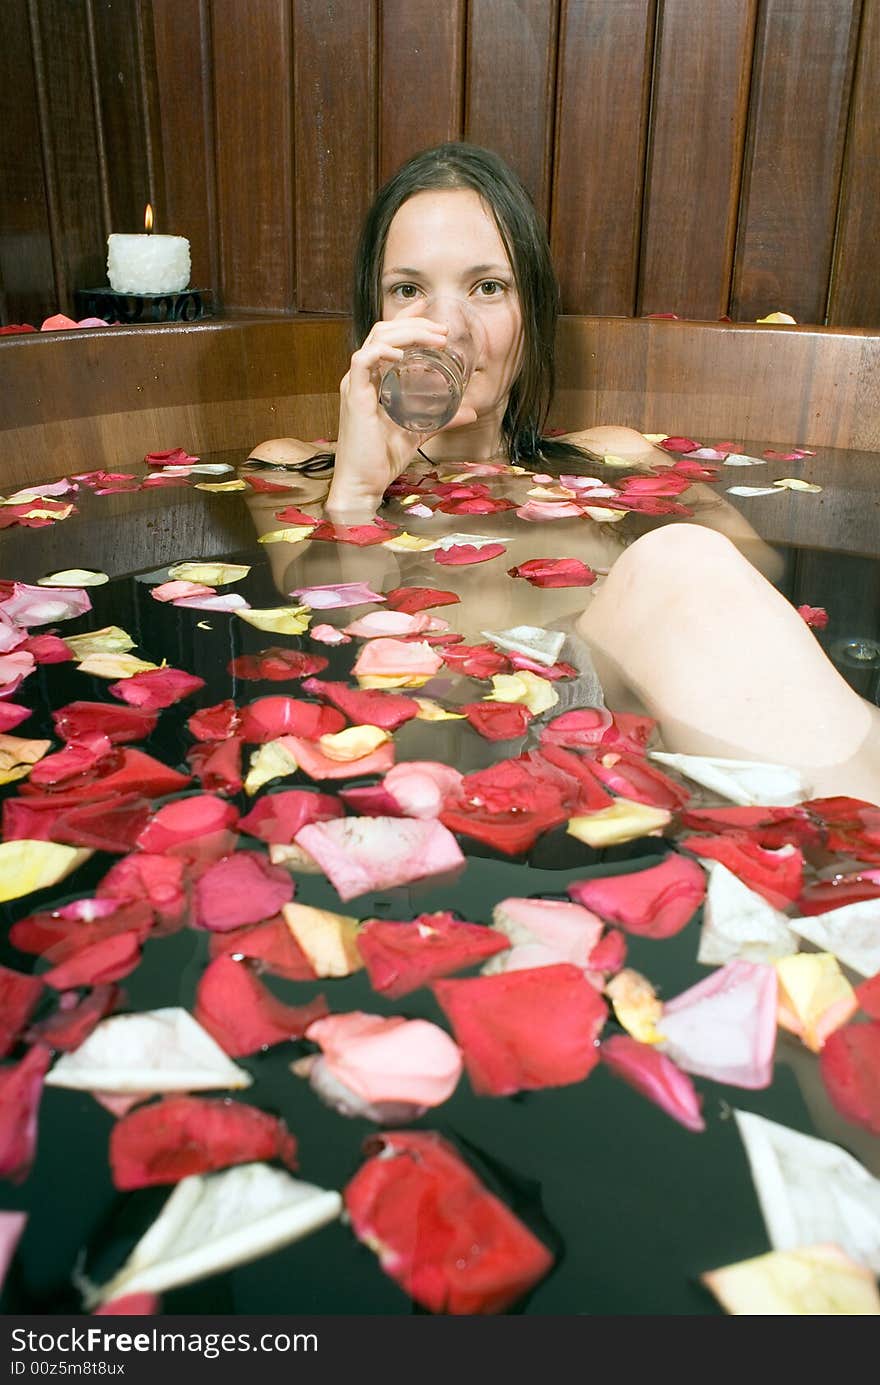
{"x":372,"y":450}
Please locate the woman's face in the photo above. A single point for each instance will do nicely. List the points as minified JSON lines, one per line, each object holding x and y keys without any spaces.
{"x":446,"y":243}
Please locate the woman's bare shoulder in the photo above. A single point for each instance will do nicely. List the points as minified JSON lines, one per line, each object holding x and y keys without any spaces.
{"x":287,"y":450}
{"x":621,"y":442}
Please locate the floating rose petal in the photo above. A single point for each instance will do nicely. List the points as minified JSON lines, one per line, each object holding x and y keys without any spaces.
{"x":186,"y":818}
{"x":21,"y":1087}
{"x":420,"y":788}
{"x":869,"y":996}
{"x":725,"y":1026}
{"x":393,"y":623}
{"x":12,"y":1224}
{"x":508,"y":806}
{"x":852,"y":933}
{"x":119,"y":724}
{"x":225,"y":601}
{"x":387,"y":1059}
{"x":105,"y":961}
{"x":624,"y":821}
{"x":609,"y":954}
{"x":363,"y":854}
{"x":524,"y":1030}
{"x":815,"y":1280}
{"x":291,"y":514}
{"x":852,"y":826}
{"x":464,"y":555}
{"x":39,"y":605}
{"x":239,"y":890}
{"x":274,"y":760}
{"x":543,"y":932}
{"x":656,"y":1077}
{"x":12,"y":715}
{"x":271,"y":944}
{"x":413,"y":599}
{"x":279,"y":620}
{"x":158,"y":879}
{"x":362,"y":535}
{"x":277,"y":665}
{"x":395,"y":657}
{"x":447,"y":1241}
{"x":270,"y":718}
{"x":277,"y":817}
{"x":578,"y":730}
{"x":26,"y":866}
{"x":769,"y":827}
{"x":387,"y":710}
{"x":850,"y":1068}
{"x":47,"y":649}
{"x":498,"y":721}
{"x":156,"y":689}
{"x":737,"y":922}
{"x":555,"y":572}
{"x":629,"y":776}
{"x":312,"y":760}
{"x":174,"y":456}
{"x":476,"y":660}
{"x":822,"y":895}
{"x":815,"y":997}
{"x":742,"y":781}
{"x":14,"y":668}
{"x":534,"y":692}
{"x":332,"y":595}
{"x":183,"y":1135}
{"x":217,"y":767}
{"x":653,"y":903}
{"x":401,"y":957}
{"x":172,"y":591}
{"x":678,"y":444}
{"x":242,"y":1015}
{"x":57,"y":936}
{"x":131,"y":1305}
{"x":19,"y":995}
{"x":327,"y":940}
{"x":815,"y":616}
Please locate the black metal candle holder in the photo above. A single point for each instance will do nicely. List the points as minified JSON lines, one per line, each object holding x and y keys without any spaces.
{"x":106,"y":303}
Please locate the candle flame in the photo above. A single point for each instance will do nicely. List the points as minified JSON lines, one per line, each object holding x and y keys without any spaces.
{"x":148,"y":219}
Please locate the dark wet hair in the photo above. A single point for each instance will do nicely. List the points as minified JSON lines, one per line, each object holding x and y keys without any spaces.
{"x":459,"y":165}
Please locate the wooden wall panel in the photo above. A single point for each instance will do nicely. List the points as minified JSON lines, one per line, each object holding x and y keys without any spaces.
{"x":697,"y":141}
{"x":71,"y":149}
{"x":421,"y":48}
{"x":603,"y":97}
{"x":187,"y":197}
{"x":801,"y":90}
{"x":120,"y":79}
{"x":511,"y":75}
{"x":26,"y":262}
{"x":855,"y":289}
{"x":252,"y":100}
{"x":334,"y":55}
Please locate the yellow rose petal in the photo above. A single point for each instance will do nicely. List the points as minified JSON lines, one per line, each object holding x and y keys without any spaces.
{"x":110,"y":640}
{"x":551,"y":493}
{"x":429,"y":710}
{"x":602,"y":515}
{"x":74,"y":577}
{"x":209,"y":574}
{"x":114,"y":665}
{"x":785,"y":318}
{"x":40,"y":512}
{"x":815,"y":997}
{"x":328,"y":940}
{"x":636,"y":1005}
{"x":793,"y":483}
{"x":534,"y":692}
{"x":409,"y":543}
{"x":294,"y":858}
{"x":26,"y":866}
{"x":292,"y":535}
{"x":280,"y":620}
{"x":612,"y":459}
{"x":816,"y":1281}
{"x":270,"y":761}
{"x":656,"y":437}
{"x":622,"y":822}
{"x":368,"y":681}
{"x":18,"y":755}
{"x":221,"y":486}
{"x":353,"y":743}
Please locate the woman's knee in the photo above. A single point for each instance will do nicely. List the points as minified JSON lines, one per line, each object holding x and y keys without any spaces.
{"x":676,"y":551}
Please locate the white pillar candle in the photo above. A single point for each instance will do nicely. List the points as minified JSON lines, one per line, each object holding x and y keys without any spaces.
{"x":148,"y":264}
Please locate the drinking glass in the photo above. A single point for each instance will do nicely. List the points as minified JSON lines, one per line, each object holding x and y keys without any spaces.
{"x":423,"y":391}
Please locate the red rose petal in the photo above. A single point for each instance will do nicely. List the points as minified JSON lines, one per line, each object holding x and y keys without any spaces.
{"x":465,"y":554}
{"x":555,"y":572}
{"x":316,"y":765}
{"x":244,"y":888}
{"x":21,"y":1087}
{"x":774,"y":876}
{"x":822,"y":895}
{"x":271,"y":717}
{"x":293,"y":516}
{"x":48,"y":649}
{"x":815,"y":616}
{"x":217,"y":766}
{"x":440,"y":1234}
{"x":215,"y":723}
{"x":632,"y":777}
{"x":111,"y":824}
{"x":851,"y":825}
{"x":372,"y":801}
{"x":371,"y":707}
{"x":850,"y":1068}
{"x":508,"y":806}
{"x":656,"y":1077}
{"x":667,"y":482}
{"x":242,"y":1015}
{"x":158,"y":879}
{"x":131,"y":772}
{"x":523,"y":1030}
{"x":119,"y":724}
{"x":586,"y":794}
{"x":577,"y":730}
{"x":19,"y":995}
{"x":769,"y":827}
{"x":869,"y":996}
{"x":680,"y":445}
{"x":653,"y":903}
{"x":67,"y":1029}
{"x":277,"y":817}
{"x":59,"y":938}
{"x":498,"y":721}
{"x":157,"y":688}
{"x":105,"y":961}
{"x":477,"y":505}
{"x":411,"y":600}
{"x":183,"y":1135}
{"x":401,"y":957}
{"x":363,"y":535}
{"x":174,"y":456}
{"x":277,"y":665}
{"x":609,"y":954}
{"x":74,"y":762}
{"x":476,"y":660}
{"x":185,"y":819}
{"x":12,"y":715}
{"x":271,"y":944}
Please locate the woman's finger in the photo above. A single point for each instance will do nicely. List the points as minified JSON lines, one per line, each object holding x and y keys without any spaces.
{"x":409,"y":331}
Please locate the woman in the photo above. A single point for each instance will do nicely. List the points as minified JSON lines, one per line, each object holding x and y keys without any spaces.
{"x":683,"y":625}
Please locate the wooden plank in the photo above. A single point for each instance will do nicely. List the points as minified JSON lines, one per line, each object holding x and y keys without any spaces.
{"x":855,"y":290}
{"x":181,"y":41}
{"x":252,"y":100}
{"x":800,"y":98}
{"x":334,"y":61}
{"x":603,"y":95}
{"x":62,"y":59}
{"x":695,"y":160}
{"x":510,"y":96}
{"x":25,"y":246}
{"x":122,"y":112}
{"x":420,"y":39}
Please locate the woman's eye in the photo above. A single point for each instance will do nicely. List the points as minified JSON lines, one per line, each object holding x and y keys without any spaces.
{"x":490,"y":288}
{"x":405,"y":292}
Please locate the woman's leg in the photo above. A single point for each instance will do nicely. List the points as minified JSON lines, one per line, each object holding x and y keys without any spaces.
{"x":726,"y":664}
